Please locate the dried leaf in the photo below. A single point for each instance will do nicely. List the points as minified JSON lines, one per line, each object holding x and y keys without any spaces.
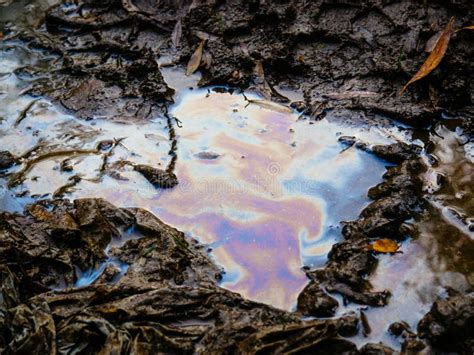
{"x":270,"y":105}
{"x":466,"y":28}
{"x":207,"y":60}
{"x":385,"y":246}
{"x":431,"y":43}
{"x":258,"y":71}
{"x":435,"y":56}
{"x":259,"y":80}
{"x":177,"y":33}
{"x":195,"y":59}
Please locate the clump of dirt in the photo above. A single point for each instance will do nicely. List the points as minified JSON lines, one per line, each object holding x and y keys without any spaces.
{"x":101,"y":71}
{"x":54,"y":237}
{"x":157,"y":177}
{"x":7,"y":160}
{"x":450,"y":323}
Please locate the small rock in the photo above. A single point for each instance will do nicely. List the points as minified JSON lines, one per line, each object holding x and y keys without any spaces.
{"x":397,"y":328}
{"x":159,"y":178}
{"x":105,"y":145}
{"x":313,"y":301}
{"x":66,"y":165}
{"x":412,"y":345}
{"x":109,"y":274}
{"x":398,"y":152}
{"x":299,"y":106}
{"x":7,"y":160}
{"x":449,"y":325}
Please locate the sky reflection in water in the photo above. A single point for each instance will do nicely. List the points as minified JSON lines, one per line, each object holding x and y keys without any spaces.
{"x":269,"y":202}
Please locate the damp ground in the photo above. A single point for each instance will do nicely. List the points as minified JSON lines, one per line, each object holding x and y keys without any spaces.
{"x":261,"y":186}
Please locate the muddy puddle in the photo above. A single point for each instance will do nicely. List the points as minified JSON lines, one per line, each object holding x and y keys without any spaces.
{"x":263,"y":188}
{"x":441,"y":253}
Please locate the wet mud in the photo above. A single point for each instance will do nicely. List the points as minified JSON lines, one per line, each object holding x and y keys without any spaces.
{"x":280,"y":173}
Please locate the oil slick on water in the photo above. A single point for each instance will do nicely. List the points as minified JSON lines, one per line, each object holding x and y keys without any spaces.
{"x":441,"y":253}
{"x":263,"y":190}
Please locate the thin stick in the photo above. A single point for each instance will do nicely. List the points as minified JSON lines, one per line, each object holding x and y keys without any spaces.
{"x":24,"y":112}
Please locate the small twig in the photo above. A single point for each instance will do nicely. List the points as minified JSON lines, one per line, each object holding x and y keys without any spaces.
{"x":106,"y":156}
{"x":178,"y":122}
{"x":24,"y":112}
{"x":67,"y":188}
{"x":17,"y":178}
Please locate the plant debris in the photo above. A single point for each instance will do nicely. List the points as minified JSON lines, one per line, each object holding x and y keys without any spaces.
{"x":269,"y":105}
{"x":195,"y":60}
{"x":435,"y":57}
{"x":466,"y":28}
{"x":385,"y":246}
{"x":24,"y":112}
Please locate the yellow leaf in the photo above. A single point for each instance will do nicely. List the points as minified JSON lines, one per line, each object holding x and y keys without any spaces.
{"x":385,"y":246}
{"x":435,"y":56}
{"x":195,"y":59}
{"x":466,"y":28}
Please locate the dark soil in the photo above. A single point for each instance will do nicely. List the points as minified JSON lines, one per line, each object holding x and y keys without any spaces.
{"x":348,"y":57}
{"x":342,"y":55}
{"x":168,"y":301}
{"x":450,"y":323}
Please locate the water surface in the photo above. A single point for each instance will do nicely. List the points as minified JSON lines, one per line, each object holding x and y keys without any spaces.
{"x":264,"y":189}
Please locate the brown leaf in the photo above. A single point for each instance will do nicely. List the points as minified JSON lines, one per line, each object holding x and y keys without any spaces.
{"x":259,"y":80}
{"x":466,"y":28}
{"x":385,"y":246}
{"x":435,"y":56}
{"x":177,"y":33}
{"x":207,"y":60}
{"x":258,"y":71}
{"x":195,"y":59}
{"x":431,"y":43}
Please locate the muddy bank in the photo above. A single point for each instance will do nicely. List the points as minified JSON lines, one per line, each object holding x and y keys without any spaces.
{"x":341,"y":55}
{"x":168,"y":300}
{"x":157,"y":290}
{"x":396,"y":200}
